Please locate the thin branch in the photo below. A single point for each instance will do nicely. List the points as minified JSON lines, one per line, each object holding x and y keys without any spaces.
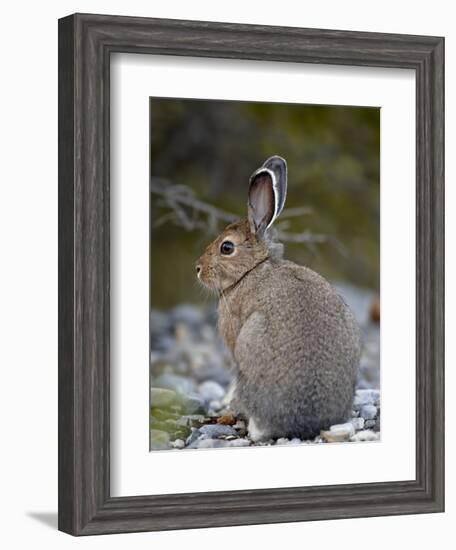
{"x":189,"y":212}
{"x":174,"y":194}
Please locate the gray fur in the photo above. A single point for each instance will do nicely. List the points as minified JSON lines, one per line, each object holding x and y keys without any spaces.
{"x":295,"y":341}
{"x":297,"y":348}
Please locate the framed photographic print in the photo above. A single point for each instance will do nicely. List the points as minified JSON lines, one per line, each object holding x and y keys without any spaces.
{"x":250,"y":274}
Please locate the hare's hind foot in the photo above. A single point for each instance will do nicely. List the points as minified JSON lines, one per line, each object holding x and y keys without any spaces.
{"x":256,"y":433}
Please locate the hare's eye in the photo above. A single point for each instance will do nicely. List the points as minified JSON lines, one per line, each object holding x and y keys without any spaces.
{"x":227,"y":248}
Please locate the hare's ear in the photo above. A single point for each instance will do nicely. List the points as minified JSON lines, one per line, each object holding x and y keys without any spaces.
{"x":267,"y":193}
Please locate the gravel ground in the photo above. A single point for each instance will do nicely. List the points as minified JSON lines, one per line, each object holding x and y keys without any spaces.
{"x":190,"y":383}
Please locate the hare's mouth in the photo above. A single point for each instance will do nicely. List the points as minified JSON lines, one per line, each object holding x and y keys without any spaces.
{"x":207,"y":283}
{"x":203,"y":278}
{"x":209,"y":280}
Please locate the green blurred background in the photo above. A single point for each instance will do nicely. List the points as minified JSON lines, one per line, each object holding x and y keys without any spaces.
{"x":212,"y":147}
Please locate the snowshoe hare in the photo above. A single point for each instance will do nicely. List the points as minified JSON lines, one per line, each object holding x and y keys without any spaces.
{"x":294,"y":340}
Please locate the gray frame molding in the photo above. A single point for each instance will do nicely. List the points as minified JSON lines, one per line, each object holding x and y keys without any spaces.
{"x":85,"y":45}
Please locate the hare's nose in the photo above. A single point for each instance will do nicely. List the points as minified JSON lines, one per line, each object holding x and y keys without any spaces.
{"x":198,"y":269}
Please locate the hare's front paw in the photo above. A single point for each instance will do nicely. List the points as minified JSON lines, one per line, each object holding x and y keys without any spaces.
{"x":255,"y":433}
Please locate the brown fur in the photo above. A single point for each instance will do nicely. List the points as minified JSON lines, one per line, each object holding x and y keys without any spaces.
{"x":220,"y":272}
{"x":295,"y":341}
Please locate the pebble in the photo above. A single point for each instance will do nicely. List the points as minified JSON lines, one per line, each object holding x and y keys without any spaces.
{"x":192,"y":374}
{"x":209,"y":444}
{"x":160,"y":322}
{"x":338,"y":432}
{"x":240,"y":428}
{"x":358,"y":423}
{"x":216,"y":430}
{"x":210,"y":368}
{"x":160,"y":397}
{"x":219,"y":443}
{"x":164,"y":343}
{"x":190,"y":420}
{"x":365,"y":397}
{"x":194,"y":404}
{"x":211,"y":391}
{"x":182,"y":335}
{"x":194,"y":436}
{"x":160,"y":414}
{"x":159,"y":440}
{"x":366,"y":435}
{"x":187,"y":314}
{"x":175,"y":382}
{"x":214,"y":406}
{"x":208,"y":333}
{"x":368,"y":412}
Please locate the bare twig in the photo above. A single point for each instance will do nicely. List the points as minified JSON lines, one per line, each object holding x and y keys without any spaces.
{"x":181,"y":195}
{"x":191,"y":213}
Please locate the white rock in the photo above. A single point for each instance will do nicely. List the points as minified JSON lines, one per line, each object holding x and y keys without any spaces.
{"x":215,"y":406}
{"x":358,"y":423}
{"x":366,"y":435}
{"x":211,"y":391}
{"x":338,"y":432}
{"x":178,"y":444}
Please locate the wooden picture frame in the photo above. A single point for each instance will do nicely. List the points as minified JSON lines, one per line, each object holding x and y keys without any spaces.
{"x":85,"y":45}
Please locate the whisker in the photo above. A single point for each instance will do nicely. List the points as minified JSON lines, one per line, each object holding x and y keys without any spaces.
{"x":205,"y":291}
